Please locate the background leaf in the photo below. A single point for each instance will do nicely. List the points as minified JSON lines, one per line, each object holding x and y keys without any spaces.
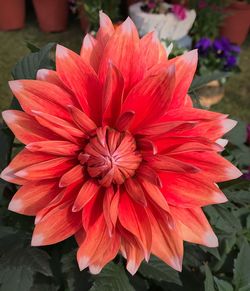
{"x":160,"y":271}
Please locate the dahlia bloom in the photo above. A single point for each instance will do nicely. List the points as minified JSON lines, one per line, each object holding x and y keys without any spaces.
{"x":115,"y":153}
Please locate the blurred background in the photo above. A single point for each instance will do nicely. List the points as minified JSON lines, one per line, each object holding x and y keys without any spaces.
{"x":219,"y":29}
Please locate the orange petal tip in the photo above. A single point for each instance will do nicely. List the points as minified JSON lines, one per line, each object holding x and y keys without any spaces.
{"x":131,"y":267}
{"x":61,"y":51}
{"x":176,"y":263}
{"x":210,"y":239}
{"x":95,"y":269}
{"x":15,"y":205}
{"x":15,"y":86}
{"x":83,"y":262}
{"x":37,"y":240}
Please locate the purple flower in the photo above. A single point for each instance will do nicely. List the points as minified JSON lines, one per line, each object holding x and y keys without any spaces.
{"x":179,"y":11}
{"x":230,"y":61}
{"x":203,"y":45}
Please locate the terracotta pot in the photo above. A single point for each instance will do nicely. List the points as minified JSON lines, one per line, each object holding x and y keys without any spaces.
{"x":12,"y":14}
{"x":52,"y":15}
{"x":237,"y":22}
{"x":211,"y":94}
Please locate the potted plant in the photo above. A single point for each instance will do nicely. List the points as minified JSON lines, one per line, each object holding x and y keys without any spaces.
{"x":87,"y":10}
{"x":236,"y":24}
{"x":219,"y":55}
{"x":52,"y":15}
{"x":12,"y":14}
{"x":170,"y":21}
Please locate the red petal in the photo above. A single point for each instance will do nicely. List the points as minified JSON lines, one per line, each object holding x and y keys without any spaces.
{"x":34,"y":196}
{"x":167,"y":243}
{"x":106,"y":29}
{"x":60,"y":224}
{"x":194,"y":226}
{"x":135,"y":191}
{"x":155,"y":93}
{"x":112,"y":96}
{"x":133,"y":217}
{"x":26,"y":128}
{"x":61,"y":148}
{"x":73,"y":175}
{"x":70,"y":68}
{"x":124,"y":121}
{"x":188,"y":191}
{"x":125,"y":40}
{"x":88,"y":190}
{"x":42,"y":96}
{"x":47,"y":169}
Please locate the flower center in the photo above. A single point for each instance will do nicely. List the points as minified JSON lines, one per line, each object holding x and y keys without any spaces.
{"x":111,"y":156}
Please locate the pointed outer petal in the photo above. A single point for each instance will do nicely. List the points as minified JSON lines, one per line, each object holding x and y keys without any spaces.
{"x":81,"y":79}
{"x":57,"y":147}
{"x":123,"y":51}
{"x":213,"y":166}
{"x":218,"y":129}
{"x":191,"y":114}
{"x":185,"y":191}
{"x":185,"y":69}
{"x":80,"y":236}
{"x":82,"y":120}
{"x":98,"y":248}
{"x":145,"y":144}
{"x":148,"y":173}
{"x":193,"y":147}
{"x":133,"y":217}
{"x":73,"y":175}
{"x":167,"y":243}
{"x":188,"y":102}
{"x":155,"y":94}
{"x":166,"y":144}
{"x":59,"y":126}
{"x":125,"y":120}
{"x":22,"y":160}
{"x":110,"y":208}
{"x":165,"y":127}
{"x":152,"y":49}
{"x":68,"y":194}
{"x":93,"y":210}
{"x":170,"y":164}
{"x":194,"y":226}
{"x":49,"y":169}
{"x":112,"y":95}
{"x":91,"y":51}
{"x":33,"y":196}
{"x":25,"y":127}
{"x":49,"y":76}
{"x":131,"y":251}
{"x":155,"y":194}
{"x":222,"y":142}
{"x":87,"y":192}
{"x":106,"y":29}
{"x":60,"y":224}
{"x":135,"y":191}
{"x":42,"y":96}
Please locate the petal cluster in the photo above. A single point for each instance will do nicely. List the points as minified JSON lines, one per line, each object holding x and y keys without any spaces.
{"x":115,"y":153}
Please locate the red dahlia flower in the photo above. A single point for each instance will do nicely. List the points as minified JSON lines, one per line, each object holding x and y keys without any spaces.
{"x":115,"y":153}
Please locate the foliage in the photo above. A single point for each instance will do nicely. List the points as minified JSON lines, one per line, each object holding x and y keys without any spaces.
{"x":54,"y":268}
{"x":110,"y":7}
{"x":209,"y":18}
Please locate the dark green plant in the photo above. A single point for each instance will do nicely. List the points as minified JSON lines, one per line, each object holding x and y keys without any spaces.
{"x":91,"y":8}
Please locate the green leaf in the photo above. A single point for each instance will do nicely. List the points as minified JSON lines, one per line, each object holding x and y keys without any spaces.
{"x":19,"y":264}
{"x":112,"y":278}
{"x":76,"y":280}
{"x":200,"y":81}
{"x":160,"y":271}
{"x":223,"y":285}
{"x":241,"y":267}
{"x":238,"y":135}
{"x":28,"y":66}
{"x":245,"y":288}
{"x":209,"y":282}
